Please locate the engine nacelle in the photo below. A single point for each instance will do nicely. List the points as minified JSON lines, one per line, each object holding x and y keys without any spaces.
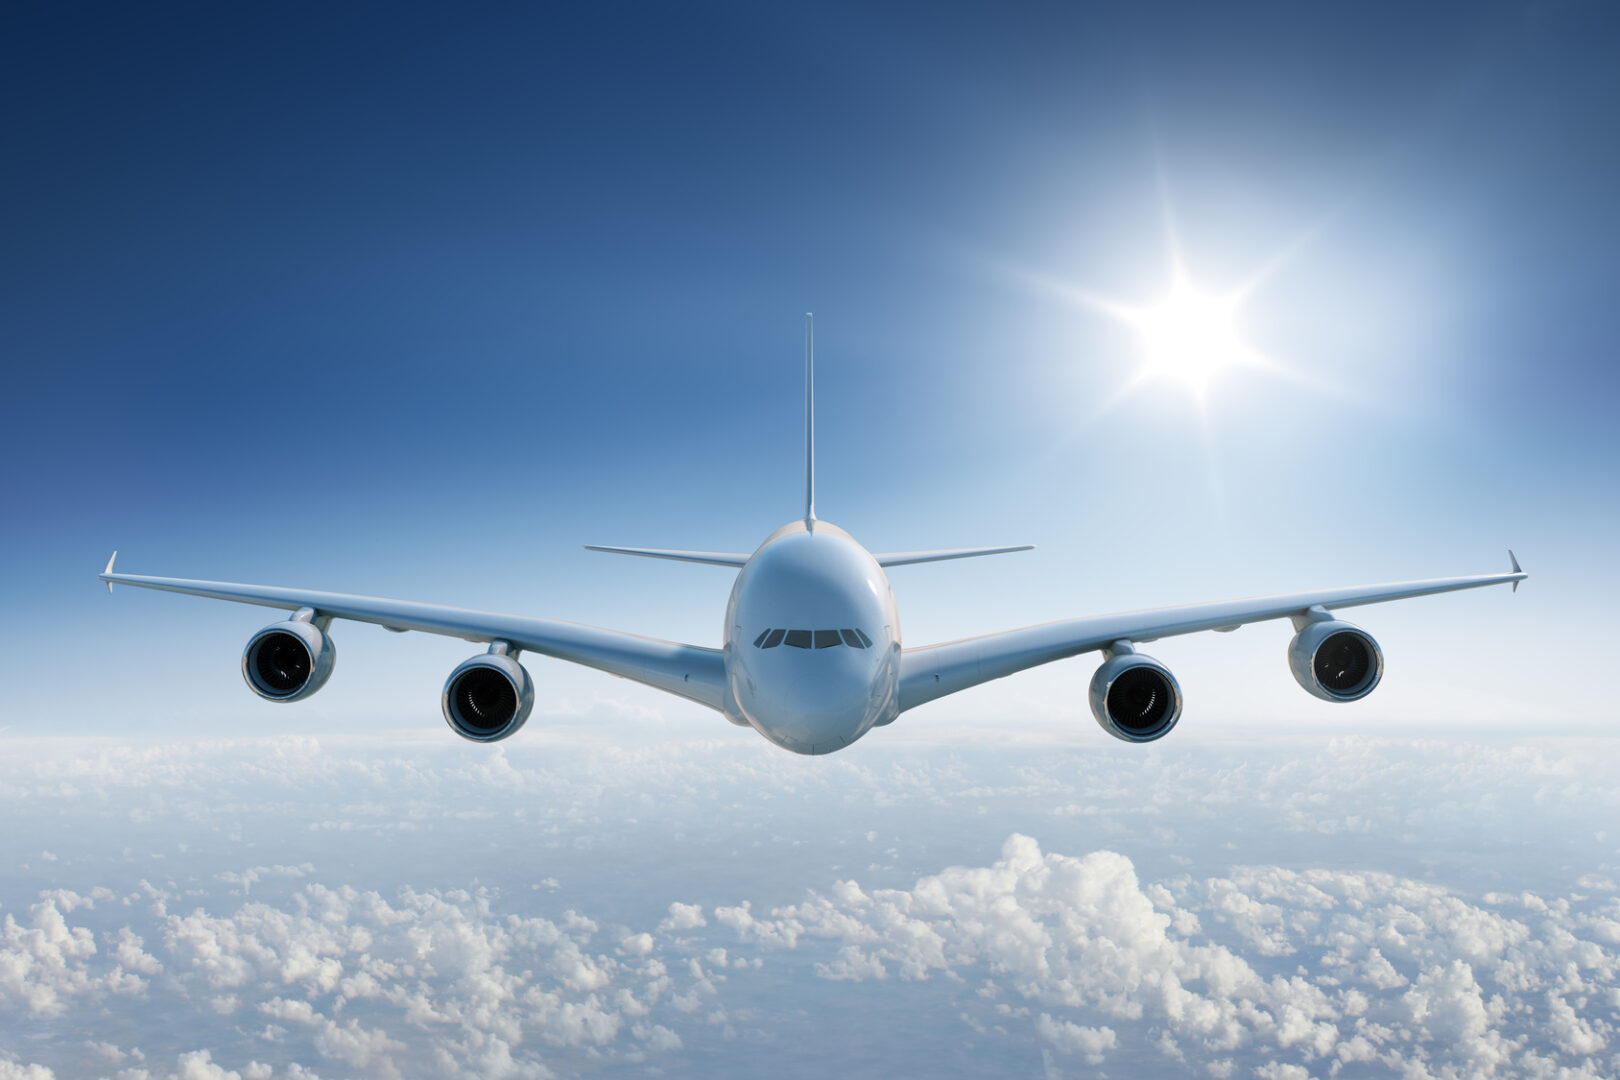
{"x":288,"y":661}
{"x":488,"y":697}
{"x":1134,"y":697}
{"x":1335,"y":661}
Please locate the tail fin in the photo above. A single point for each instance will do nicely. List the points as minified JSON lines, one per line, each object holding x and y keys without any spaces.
{"x":809,"y":420}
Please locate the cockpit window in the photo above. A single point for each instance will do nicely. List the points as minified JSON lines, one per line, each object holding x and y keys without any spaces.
{"x":812,"y":639}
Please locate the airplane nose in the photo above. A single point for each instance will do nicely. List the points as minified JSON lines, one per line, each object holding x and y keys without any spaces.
{"x":808,"y":706}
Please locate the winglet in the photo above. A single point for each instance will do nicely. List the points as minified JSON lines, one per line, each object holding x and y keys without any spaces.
{"x":1514,"y":559}
{"x":107,"y":571}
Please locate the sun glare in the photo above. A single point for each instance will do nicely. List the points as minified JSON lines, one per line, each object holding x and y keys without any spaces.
{"x":1189,"y":337}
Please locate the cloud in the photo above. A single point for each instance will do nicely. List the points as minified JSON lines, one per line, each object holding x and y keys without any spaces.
{"x":427,"y":982}
{"x":443,"y":975}
{"x":1393,"y":973}
{"x":683,"y":917}
{"x":46,"y":963}
{"x":193,"y":1065}
{"x":250,"y":877}
{"x":199,"y":1065}
{"x":11,"y":1070}
{"x":1088,"y":1042}
{"x":1168,"y":910}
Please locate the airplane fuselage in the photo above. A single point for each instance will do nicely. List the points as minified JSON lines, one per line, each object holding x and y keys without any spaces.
{"x":812,"y":641}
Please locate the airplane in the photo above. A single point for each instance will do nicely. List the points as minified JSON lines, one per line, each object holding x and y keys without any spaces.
{"x":811,"y":654}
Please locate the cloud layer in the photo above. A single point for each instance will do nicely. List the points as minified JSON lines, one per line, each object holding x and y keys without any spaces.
{"x":1290,"y":970}
{"x":298,"y":908}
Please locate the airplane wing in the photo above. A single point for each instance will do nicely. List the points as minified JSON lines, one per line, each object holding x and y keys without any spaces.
{"x":713,"y":558}
{"x":936,"y":670}
{"x":688,"y":671}
{"x":906,"y":558}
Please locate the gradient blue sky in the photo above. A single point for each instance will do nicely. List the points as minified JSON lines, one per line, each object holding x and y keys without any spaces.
{"x":414,"y":302}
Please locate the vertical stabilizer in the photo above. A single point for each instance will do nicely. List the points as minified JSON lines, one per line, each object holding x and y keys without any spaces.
{"x":809,"y":420}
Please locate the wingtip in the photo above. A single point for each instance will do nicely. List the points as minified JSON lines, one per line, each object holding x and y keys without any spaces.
{"x":109,"y":570}
{"x":1514,"y":559}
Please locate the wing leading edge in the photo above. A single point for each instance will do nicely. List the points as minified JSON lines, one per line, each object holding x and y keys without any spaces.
{"x":713,"y":558}
{"x":907,"y":558}
{"x":688,"y":671}
{"x":934,"y":671}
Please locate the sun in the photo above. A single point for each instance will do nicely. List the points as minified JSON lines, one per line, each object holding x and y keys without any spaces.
{"x":1189,"y":336}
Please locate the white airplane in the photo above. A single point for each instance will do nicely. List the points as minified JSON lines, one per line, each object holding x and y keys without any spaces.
{"x":811,"y":655}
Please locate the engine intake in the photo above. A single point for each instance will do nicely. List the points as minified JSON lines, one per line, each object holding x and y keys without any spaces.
{"x":1335,"y":661}
{"x":288,"y":661}
{"x":1134,"y":697}
{"x":488,"y":697}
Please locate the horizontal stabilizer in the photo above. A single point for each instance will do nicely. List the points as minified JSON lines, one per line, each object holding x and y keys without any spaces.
{"x":903,"y":558}
{"x":713,"y":558}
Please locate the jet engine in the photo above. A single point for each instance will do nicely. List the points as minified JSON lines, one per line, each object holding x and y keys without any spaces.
{"x":288,"y":661}
{"x":488,"y":697}
{"x":1135,"y":697}
{"x":1335,"y":661}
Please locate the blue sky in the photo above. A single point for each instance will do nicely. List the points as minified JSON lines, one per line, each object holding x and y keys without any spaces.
{"x":414,"y":304}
